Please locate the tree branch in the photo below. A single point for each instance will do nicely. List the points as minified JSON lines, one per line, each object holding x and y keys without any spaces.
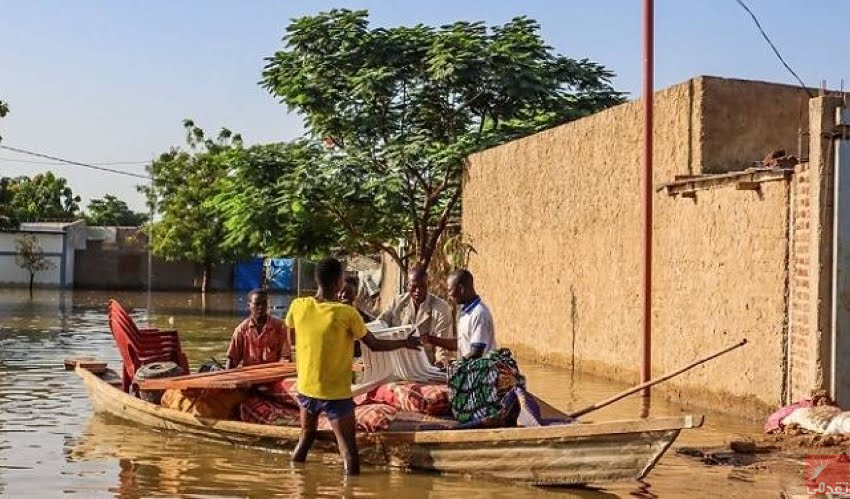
{"x":427,"y":251}
{"x":357,"y":234}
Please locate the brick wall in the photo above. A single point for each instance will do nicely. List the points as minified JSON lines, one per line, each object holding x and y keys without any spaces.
{"x":802,"y":362}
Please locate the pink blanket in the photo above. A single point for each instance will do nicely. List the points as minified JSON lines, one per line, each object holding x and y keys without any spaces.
{"x":774,"y":421}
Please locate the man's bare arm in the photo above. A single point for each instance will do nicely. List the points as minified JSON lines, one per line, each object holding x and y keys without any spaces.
{"x":447,"y":343}
{"x":376,"y":345}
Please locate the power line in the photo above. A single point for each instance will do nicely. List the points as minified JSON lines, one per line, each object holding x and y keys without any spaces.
{"x":99,"y":163}
{"x":76,"y":163}
{"x":775,"y":50}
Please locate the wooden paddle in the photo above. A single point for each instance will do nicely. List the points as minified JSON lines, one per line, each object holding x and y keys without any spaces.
{"x":635,"y":389}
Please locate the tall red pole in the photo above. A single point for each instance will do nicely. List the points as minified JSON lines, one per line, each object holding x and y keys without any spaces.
{"x":646,"y":344}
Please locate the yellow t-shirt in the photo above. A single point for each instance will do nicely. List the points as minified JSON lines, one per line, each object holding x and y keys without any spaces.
{"x":324,"y":334}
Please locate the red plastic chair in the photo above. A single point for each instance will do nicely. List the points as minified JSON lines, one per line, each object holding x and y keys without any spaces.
{"x":142,"y":346}
{"x":145,"y":337}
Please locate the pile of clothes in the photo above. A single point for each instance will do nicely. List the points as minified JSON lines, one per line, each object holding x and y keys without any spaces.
{"x":815,"y":414}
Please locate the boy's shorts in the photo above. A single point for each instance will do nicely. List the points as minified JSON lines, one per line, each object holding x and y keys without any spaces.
{"x":334,"y":409}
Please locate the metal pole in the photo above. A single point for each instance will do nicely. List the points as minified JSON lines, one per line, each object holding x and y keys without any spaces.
{"x":297,"y":277}
{"x":150,"y":258}
{"x":646,"y":345}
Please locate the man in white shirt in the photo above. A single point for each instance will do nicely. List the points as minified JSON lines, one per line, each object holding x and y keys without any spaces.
{"x":475,"y":332}
{"x":431,"y":315}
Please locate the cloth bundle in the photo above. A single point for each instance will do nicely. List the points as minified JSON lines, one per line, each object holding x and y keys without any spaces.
{"x":483,"y":390}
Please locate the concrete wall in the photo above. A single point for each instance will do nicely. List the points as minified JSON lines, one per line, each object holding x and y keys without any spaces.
{"x":98,"y":268}
{"x":75,"y":239}
{"x":555,"y":219}
{"x":117,"y":258}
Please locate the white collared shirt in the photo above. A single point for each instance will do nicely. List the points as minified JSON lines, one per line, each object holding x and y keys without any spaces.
{"x":475,"y":328}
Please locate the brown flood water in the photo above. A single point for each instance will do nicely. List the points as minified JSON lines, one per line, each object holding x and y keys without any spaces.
{"x":51,"y":445}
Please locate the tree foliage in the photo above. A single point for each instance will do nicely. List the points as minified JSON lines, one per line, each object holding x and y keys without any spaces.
{"x":43,"y":196}
{"x":4,"y":110}
{"x":113,"y":211}
{"x":30,"y":257}
{"x":7,"y":218}
{"x":400,"y":109}
{"x":261,"y":201}
{"x":190,"y":228}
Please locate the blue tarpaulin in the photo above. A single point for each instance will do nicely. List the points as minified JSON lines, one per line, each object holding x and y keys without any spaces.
{"x":248,"y":274}
{"x":280,"y":274}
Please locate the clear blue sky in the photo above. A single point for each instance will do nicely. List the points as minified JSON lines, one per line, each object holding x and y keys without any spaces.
{"x":109,"y":80}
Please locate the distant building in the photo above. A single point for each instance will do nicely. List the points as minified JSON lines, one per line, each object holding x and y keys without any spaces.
{"x":58,"y":241}
{"x":117,"y":258}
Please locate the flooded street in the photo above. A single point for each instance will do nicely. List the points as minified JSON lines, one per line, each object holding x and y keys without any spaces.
{"x":51,"y":445}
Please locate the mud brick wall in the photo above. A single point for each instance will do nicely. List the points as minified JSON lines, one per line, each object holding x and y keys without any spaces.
{"x":556,"y":222}
{"x":802,"y":354}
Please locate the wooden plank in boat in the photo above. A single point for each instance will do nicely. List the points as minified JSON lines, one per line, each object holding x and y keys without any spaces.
{"x":90,"y":363}
{"x":243,"y":377}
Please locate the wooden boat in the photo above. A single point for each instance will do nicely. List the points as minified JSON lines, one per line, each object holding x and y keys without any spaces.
{"x":552,"y":455}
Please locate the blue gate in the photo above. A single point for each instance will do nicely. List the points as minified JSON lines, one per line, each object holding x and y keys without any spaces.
{"x":248,"y":274}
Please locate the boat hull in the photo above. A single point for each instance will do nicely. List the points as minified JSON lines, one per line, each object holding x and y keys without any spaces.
{"x":554,"y":455}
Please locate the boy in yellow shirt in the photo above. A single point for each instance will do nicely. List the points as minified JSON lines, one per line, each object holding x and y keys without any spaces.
{"x":325,"y":330}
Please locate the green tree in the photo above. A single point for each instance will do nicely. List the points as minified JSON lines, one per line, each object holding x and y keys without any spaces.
{"x":5,"y":185}
{"x":7,"y":193}
{"x":112,"y":211}
{"x":190,"y":228}
{"x":44,"y":196}
{"x":400,"y":109}
{"x":261,"y":202}
{"x":4,"y":110}
{"x":30,"y":257}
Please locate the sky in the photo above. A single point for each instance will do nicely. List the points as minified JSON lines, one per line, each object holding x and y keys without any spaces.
{"x":110,"y":81}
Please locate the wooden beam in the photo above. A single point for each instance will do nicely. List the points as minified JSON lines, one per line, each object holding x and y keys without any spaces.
{"x":748,"y":186}
{"x":224,"y":380}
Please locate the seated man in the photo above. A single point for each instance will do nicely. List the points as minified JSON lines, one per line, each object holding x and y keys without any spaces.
{"x":475,"y":333}
{"x":259,"y":339}
{"x":325,"y":330}
{"x":347,"y":295}
{"x":430,"y":314}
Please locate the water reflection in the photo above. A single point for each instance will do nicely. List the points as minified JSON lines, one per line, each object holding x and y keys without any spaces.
{"x":51,"y":445}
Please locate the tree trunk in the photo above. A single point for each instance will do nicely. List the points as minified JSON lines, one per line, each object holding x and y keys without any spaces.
{"x":205,"y":277}
{"x":32,"y":281}
{"x":424,"y":255}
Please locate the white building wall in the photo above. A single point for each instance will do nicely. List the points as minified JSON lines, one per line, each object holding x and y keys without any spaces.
{"x":13,"y":275}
